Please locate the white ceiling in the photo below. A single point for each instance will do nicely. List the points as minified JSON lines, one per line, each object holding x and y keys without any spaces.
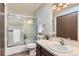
{"x":23,"y":8}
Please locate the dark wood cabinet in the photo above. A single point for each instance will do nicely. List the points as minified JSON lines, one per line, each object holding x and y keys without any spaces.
{"x":67,"y":26}
{"x":40,"y":51}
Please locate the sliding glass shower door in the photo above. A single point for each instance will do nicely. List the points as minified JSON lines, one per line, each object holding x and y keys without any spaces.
{"x":21,"y":30}
{"x":30,"y":29}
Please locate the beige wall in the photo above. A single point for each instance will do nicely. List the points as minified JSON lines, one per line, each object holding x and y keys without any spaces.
{"x":44,"y":15}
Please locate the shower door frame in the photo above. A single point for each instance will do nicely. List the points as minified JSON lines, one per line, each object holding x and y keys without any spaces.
{"x":21,"y":16}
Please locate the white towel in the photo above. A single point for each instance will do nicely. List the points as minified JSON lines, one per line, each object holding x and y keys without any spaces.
{"x":16,"y":35}
{"x":40,"y":28}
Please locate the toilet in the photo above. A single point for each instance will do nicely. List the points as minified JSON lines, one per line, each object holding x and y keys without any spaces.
{"x":31,"y":49}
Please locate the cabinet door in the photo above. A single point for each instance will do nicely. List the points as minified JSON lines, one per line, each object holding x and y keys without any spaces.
{"x":38,"y":50}
{"x":42,"y":54}
{"x":67,"y":26}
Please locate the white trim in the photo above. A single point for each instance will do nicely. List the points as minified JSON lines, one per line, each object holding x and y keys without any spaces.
{"x":78,"y":27}
{"x":21,"y":15}
{"x":5,"y":29}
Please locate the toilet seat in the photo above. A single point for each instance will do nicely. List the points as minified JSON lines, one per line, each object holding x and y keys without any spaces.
{"x":31,"y":45}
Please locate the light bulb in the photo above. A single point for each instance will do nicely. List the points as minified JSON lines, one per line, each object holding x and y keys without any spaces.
{"x":58,"y":9}
{"x":68,"y":3}
{"x":54,"y":7}
{"x":65,"y":6}
{"x":60,"y":4}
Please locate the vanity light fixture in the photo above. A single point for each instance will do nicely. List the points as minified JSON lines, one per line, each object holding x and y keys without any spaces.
{"x":60,"y":6}
{"x":58,"y":9}
{"x":65,"y":6}
{"x":54,"y":7}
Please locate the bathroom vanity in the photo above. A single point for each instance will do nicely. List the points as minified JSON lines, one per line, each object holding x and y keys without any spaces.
{"x":45,"y":48}
{"x":40,"y":51}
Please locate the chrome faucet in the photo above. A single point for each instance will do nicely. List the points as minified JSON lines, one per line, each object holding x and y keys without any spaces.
{"x":61,"y":42}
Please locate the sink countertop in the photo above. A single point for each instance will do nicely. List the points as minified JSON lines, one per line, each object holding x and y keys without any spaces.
{"x":45,"y":43}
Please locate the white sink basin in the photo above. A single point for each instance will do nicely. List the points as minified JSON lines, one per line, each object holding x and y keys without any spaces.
{"x":60,"y":48}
